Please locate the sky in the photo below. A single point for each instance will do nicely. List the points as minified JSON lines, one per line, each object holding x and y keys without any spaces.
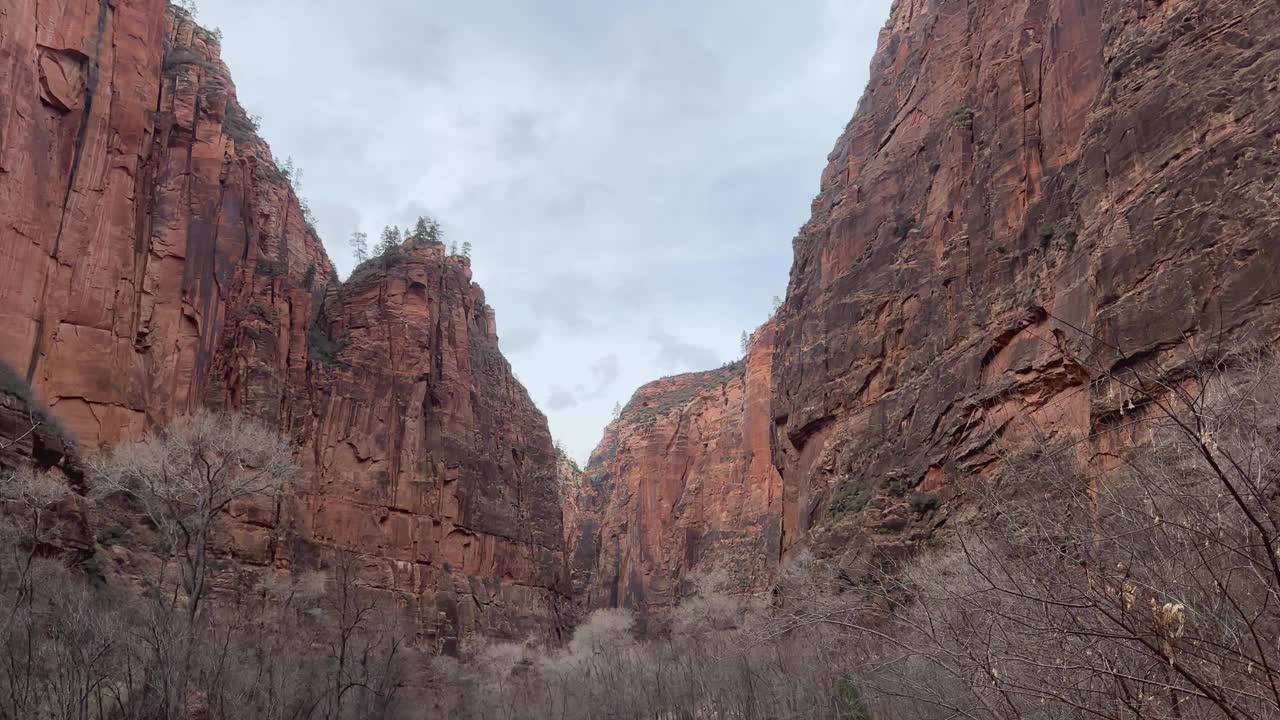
{"x":629,"y":174}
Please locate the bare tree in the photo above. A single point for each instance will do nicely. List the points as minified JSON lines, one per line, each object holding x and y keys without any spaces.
{"x":1136,"y":582}
{"x":364,"y":653}
{"x":183,"y":479}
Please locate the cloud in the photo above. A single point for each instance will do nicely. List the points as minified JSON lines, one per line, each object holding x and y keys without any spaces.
{"x":520,"y":135}
{"x":560,"y":398}
{"x":615,"y":166}
{"x":605,"y":371}
{"x":564,"y":301}
{"x":679,"y":355}
{"x":519,"y":339}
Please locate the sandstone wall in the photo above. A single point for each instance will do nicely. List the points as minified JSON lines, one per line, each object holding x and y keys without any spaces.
{"x":154,"y":258}
{"x":681,"y":483}
{"x":1033,"y":198}
{"x":135,"y":213}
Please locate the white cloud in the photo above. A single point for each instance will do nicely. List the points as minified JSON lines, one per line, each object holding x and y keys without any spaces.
{"x":617,"y":167}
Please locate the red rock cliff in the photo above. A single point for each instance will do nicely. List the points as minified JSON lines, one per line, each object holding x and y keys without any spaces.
{"x":1033,"y":196}
{"x":681,"y":483}
{"x":430,"y":456}
{"x":138,"y":204}
{"x":155,"y":258}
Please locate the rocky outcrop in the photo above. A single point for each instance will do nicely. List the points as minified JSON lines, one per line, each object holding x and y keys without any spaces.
{"x":33,"y":439}
{"x":1033,"y":199}
{"x":682,"y":483}
{"x":157,"y":259}
{"x":427,"y":454}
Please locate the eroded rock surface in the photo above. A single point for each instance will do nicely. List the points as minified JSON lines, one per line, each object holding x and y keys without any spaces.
{"x":1033,"y":198}
{"x":681,"y":483}
{"x":429,"y":455}
{"x":155,"y":258}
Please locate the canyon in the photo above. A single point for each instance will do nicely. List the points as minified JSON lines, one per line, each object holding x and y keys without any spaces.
{"x":1034,"y":200}
{"x":1035,"y":203}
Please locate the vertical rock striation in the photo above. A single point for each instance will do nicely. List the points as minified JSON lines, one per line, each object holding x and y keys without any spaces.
{"x":155,"y":258}
{"x":1032,"y":199}
{"x":141,"y":213}
{"x":429,"y":455}
{"x":681,"y":483}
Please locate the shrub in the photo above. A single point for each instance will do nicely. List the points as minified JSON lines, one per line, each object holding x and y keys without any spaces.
{"x":848,"y":701}
{"x":182,"y":55}
{"x":905,"y":226}
{"x":851,"y":498}
{"x":962,"y":115}
{"x":15,"y":384}
{"x":924,"y":502}
{"x":1047,"y":232}
{"x":270,"y":267}
{"x":309,"y":277}
{"x":897,"y":486}
{"x":321,"y":347}
{"x":238,"y":124}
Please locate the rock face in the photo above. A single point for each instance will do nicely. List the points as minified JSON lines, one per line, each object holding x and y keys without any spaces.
{"x":1033,"y":198}
{"x":682,"y":483}
{"x":31,"y":438}
{"x":155,"y":259}
{"x":429,"y":456}
{"x":138,"y":205}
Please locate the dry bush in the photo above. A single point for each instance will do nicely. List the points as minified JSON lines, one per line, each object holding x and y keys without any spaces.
{"x":1141,"y":581}
{"x":308,"y":646}
{"x":714,"y":664}
{"x":1132,"y":575}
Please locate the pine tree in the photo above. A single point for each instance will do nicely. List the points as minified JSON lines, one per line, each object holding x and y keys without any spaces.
{"x":390,"y":241}
{"x":292,"y":174}
{"x":617,"y":409}
{"x":426,"y":231}
{"x":453,"y":248}
{"x":360,"y":246}
{"x":746,"y":339}
{"x":466,"y":249}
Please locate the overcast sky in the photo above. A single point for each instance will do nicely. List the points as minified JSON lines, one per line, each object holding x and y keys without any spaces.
{"x":629,"y":174}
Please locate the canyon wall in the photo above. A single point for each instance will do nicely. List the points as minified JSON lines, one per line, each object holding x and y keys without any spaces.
{"x":138,"y":203}
{"x":155,"y":259}
{"x":682,"y":483}
{"x":1035,"y":200}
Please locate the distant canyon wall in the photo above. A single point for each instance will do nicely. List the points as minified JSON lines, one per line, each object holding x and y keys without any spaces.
{"x":682,"y":483}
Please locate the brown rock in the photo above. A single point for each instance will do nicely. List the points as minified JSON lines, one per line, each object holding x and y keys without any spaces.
{"x":681,"y":483}
{"x":154,"y":259}
{"x":1031,"y":198}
